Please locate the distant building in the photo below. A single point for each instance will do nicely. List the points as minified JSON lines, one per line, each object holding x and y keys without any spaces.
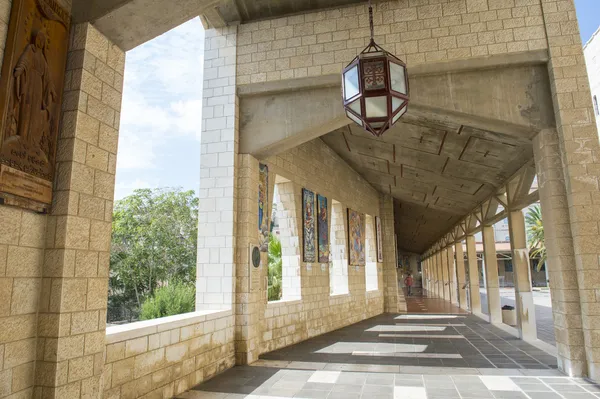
{"x":591,"y":51}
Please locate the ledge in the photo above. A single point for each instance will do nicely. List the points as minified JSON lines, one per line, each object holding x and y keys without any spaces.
{"x":283,"y":302}
{"x":147,"y":327}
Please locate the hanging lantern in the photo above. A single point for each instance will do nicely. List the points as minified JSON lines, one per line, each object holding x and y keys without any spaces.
{"x":375,"y":87}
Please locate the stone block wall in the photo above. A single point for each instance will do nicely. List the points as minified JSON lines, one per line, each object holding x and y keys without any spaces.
{"x":324,"y":42}
{"x":316,"y":167}
{"x":165,"y":357}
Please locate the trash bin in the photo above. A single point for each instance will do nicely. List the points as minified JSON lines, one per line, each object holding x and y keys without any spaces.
{"x":509,"y":315}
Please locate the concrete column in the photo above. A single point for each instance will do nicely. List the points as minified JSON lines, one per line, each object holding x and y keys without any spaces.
{"x":491,"y":275}
{"x":71,"y":325}
{"x":460,"y":273}
{"x":452,"y":276}
{"x":475,"y":297}
{"x":522,"y":272}
{"x":445,"y":276}
{"x":578,"y":158}
{"x":394,"y":301}
{"x":561,"y":265}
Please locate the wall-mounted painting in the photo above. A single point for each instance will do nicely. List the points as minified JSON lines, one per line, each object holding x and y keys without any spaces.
{"x":356,"y":238}
{"x":323,"y":229}
{"x":379,"y":239}
{"x":263,"y":206}
{"x":309,"y":253}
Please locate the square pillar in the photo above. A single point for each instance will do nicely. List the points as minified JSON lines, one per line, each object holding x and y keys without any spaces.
{"x":72,"y":309}
{"x":394,"y":301}
{"x":452,"y":276}
{"x":460,"y":273}
{"x":491,"y":275}
{"x":474,"y":295}
{"x":445,"y":277}
{"x":520,"y":257}
{"x":560,"y":263}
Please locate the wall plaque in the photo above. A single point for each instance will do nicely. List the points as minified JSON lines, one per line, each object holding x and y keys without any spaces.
{"x":30,"y":101}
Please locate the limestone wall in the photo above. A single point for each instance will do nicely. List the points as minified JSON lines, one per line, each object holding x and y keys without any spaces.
{"x":318,"y":168}
{"x":164,"y":357}
{"x":324,"y":42}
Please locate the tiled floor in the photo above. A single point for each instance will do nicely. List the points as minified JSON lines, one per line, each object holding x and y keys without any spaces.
{"x":415,"y":356}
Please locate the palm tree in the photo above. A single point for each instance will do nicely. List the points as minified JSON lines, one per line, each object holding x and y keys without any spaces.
{"x":275,"y":269}
{"x":535,"y":234}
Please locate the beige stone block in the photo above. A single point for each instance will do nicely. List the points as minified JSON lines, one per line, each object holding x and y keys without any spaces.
{"x":5,"y":382}
{"x":54,"y":324}
{"x":19,"y":352}
{"x":100,"y":111}
{"x":59,"y":263}
{"x":25,"y":295}
{"x":136,"y":346}
{"x":81,"y":368}
{"x":97,"y":295}
{"x":115,"y":352}
{"x":17,"y":328}
{"x":105,"y":74}
{"x":72,"y":232}
{"x":96,"y":43}
{"x":33,"y":230}
{"x":11,"y":222}
{"x":122,"y":371}
{"x":116,"y":58}
{"x":96,"y":158}
{"x":86,"y":264}
{"x":111,"y":97}
{"x":91,"y":207}
{"x":103,"y":264}
{"x":3,"y":259}
{"x":108,"y":138}
{"x":104,"y":185}
{"x":71,"y":149}
{"x":82,"y":178}
{"x":86,"y":128}
{"x":22,"y":376}
{"x":87,"y":82}
{"x":68,"y":295}
{"x":5,"y":295}
{"x":100,"y":234}
{"x":84,"y":322}
{"x":24,"y":262}
{"x":148,"y":362}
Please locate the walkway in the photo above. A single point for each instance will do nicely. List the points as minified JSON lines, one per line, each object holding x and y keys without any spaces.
{"x":543,"y":311}
{"x":414,"y":356}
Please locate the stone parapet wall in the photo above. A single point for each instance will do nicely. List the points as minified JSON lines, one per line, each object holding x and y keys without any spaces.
{"x":164,"y":357}
{"x":322,"y":43}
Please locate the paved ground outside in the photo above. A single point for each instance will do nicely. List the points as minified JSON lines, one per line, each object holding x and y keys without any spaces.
{"x":414,"y":356}
{"x":543,"y":311}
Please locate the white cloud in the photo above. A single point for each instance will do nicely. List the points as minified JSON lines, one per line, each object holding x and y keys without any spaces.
{"x":162,"y":103}
{"x":162,"y":97}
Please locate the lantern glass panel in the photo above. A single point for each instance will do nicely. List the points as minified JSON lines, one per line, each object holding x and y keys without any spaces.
{"x":399,"y":114}
{"x":356,"y":106}
{"x":376,"y":107}
{"x":398,"y":78}
{"x":354,"y":118}
{"x":396,"y":103}
{"x":351,"y":88}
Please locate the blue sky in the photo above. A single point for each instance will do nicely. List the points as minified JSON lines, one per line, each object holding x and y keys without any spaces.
{"x":159,"y":141}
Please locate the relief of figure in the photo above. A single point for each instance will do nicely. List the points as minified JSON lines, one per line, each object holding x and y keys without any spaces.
{"x":35,"y":97}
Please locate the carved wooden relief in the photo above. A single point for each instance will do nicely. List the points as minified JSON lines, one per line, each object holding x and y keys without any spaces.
{"x":30,"y":101}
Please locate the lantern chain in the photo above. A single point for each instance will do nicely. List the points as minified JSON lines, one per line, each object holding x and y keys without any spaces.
{"x":371,"y":22}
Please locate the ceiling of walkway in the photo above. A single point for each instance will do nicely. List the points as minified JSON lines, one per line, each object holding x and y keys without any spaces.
{"x":436,"y":171}
{"x":248,"y":10}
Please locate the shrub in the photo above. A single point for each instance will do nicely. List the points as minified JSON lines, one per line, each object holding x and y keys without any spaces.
{"x":274,"y":269}
{"x":175,"y":298}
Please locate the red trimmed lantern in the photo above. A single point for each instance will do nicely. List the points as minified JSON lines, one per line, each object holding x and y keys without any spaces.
{"x":375,"y":88}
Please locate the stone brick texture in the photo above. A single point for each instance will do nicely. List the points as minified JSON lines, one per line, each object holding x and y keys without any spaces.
{"x":417,"y":31}
{"x":168,"y":357}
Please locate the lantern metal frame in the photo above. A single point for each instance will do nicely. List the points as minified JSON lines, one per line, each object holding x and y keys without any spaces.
{"x":384,"y":87}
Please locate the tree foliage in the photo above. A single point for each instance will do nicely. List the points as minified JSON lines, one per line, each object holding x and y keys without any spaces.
{"x":175,"y":298}
{"x":275,"y":268}
{"x":535,"y":234}
{"x":154,"y":241}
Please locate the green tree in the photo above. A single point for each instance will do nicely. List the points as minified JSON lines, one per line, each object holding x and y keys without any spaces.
{"x":154,"y":241}
{"x":274,"y":269}
{"x":172,"y":299}
{"x":535,"y":234}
